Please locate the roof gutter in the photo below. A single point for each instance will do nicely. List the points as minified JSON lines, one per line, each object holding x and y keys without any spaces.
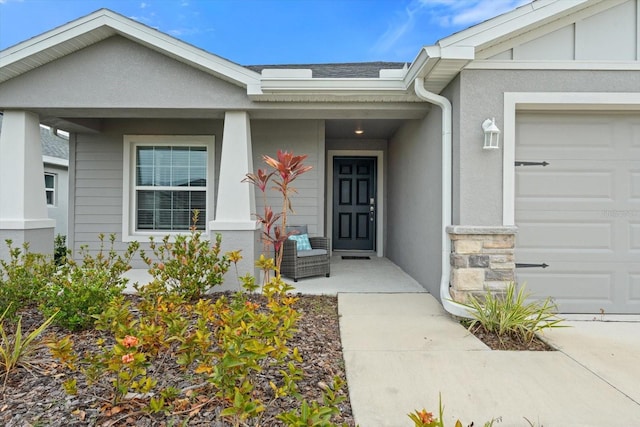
{"x":448,"y":303}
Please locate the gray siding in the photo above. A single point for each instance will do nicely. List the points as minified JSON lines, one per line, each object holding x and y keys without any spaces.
{"x":300,"y":137}
{"x":415,"y":199}
{"x":479,"y":192}
{"x":98,"y":173}
{"x":98,"y":170}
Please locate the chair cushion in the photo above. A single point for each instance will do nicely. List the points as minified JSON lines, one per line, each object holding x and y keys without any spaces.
{"x":312,"y":252}
{"x":302,"y":241}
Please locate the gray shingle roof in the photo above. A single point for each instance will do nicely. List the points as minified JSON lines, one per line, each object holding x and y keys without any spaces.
{"x":52,"y":144}
{"x":339,"y":70}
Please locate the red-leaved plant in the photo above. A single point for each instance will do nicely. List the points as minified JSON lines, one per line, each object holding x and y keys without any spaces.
{"x":283,"y":171}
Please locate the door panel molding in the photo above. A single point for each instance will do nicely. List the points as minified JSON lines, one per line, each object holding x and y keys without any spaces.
{"x":380,"y":205}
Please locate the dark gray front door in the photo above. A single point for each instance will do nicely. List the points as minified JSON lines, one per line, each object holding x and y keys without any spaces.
{"x":354,"y":203}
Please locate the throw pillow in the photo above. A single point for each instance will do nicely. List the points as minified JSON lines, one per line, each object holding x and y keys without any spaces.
{"x":302,"y":241}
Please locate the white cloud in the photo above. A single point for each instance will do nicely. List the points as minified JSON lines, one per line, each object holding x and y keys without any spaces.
{"x":144,"y":5}
{"x":456,"y":13}
{"x":447,"y":14}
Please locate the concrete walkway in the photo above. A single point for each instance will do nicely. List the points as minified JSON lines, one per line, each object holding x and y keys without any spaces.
{"x":402,"y":350}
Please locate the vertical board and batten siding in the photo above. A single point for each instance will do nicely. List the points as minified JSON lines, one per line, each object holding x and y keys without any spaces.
{"x":302,"y":137}
{"x":609,"y":35}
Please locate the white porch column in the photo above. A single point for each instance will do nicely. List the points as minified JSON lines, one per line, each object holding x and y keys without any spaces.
{"x":23,"y":206}
{"x":236,"y":200}
{"x":235,"y":203}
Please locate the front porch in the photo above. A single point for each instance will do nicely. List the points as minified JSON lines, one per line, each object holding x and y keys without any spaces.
{"x":374,"y":275}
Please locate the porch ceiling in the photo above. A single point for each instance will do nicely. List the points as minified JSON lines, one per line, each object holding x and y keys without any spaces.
{"x":372,"y":129}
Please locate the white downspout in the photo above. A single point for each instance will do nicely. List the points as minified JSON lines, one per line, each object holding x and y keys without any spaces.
{"x":451,"y":306}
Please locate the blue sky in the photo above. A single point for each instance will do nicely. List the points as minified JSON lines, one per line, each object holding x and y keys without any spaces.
{"x":252,"y":32}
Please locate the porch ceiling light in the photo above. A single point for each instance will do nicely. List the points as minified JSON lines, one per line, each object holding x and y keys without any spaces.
{"x":359,"y":131}
{"x":491,"y":134}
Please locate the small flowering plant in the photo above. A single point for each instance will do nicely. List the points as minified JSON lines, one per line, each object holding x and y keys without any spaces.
{"x":427,"y":419}
{"x":130,"y":368}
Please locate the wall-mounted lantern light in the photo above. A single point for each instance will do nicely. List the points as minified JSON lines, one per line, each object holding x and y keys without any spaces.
{"x":491,"y":134}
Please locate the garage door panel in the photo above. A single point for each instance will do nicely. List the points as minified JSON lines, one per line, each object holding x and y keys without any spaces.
{"x":634,"y":237}
{"x":572,"y":133}
{"x":634,"y":287}
{"x":570,"y":284}
{"x":558,"y":184}
{"x":634,"y":179}
{"x":582,"y":237}
{"x":580,"y":214}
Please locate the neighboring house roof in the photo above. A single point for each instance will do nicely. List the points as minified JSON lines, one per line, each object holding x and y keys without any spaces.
{"x":54,"y":145}
{"x":55,"y":149}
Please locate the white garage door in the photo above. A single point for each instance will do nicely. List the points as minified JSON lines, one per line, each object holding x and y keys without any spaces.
{"x":580,"y":214}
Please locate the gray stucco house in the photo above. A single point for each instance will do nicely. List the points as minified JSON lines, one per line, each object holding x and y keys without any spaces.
{"x":557,"y":205}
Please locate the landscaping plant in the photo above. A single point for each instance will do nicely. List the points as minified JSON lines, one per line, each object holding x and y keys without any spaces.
{"x":189,"y":264}
{"x":16,"y":350}
{"x":284,"y":169}
{"x":19,"y":279}
{"x":427,"y":419}
{"x":513,"y":315}
{"x":221,"y":347}
{"x":80,"y":290}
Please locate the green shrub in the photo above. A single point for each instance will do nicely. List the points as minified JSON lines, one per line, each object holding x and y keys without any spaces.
{"x":190,"y":265}
{"x":81,"y":290}
{"x":60,"y":250}
{"x":511,"y":314}
{"x":20,"y":281}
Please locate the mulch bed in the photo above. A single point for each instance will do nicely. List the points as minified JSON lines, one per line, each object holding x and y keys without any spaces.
{"x":507,"y":342}
{"x":37,"y":398}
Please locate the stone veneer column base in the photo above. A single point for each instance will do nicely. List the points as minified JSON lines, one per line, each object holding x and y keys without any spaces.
{"x":482,"y":260}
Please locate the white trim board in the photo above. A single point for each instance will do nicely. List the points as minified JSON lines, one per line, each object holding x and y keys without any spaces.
{"x":379,"y":191}
{"x":548,"y":101}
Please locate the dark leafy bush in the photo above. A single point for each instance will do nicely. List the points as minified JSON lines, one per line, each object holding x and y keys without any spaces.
{"x":60,"y":251}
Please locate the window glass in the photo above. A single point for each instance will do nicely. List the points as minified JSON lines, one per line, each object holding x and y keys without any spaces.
{"x":170,"y":184}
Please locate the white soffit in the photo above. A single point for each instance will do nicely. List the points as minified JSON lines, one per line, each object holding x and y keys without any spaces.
{"x":102,"y":24}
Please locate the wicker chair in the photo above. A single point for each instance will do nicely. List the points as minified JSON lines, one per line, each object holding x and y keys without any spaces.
{"x":297,"y":264}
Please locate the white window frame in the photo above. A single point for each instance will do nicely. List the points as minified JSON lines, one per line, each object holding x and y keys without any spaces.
{"x":52,"y":190}
{"x":131,"y":142}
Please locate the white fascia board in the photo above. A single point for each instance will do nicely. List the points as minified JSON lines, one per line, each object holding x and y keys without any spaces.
{"x":112,"y":23}
{"x":49,"y":39}
{"x":430,"y":57}
{"x":55,"y":161}
{"x":513,"y":21}
{"x":554,"y":65}
{"x":270,"y":85}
